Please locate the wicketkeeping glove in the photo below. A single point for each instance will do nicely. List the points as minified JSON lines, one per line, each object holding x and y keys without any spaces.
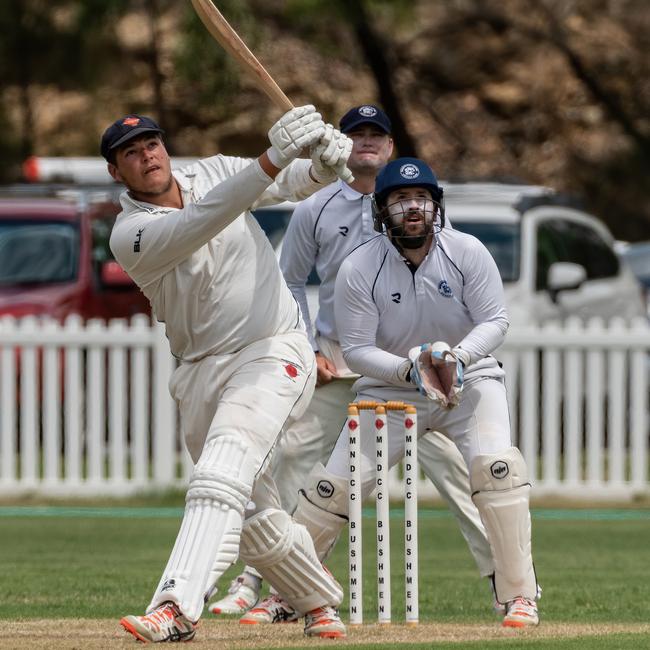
{"x":299,"y":128}
{"x":438,"y":372}
{"x":330,"y":156}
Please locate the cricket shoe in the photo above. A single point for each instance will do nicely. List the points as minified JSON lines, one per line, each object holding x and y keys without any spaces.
{"x":499,"y":607}
{"x":325,"y":623}
{"x":272,"y":609}
{"x":165,"y":623}
{"x":521,"y":612}
{"x":243,"y":594}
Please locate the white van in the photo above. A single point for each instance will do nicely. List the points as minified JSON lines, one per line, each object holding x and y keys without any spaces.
{"x":555,"y":260}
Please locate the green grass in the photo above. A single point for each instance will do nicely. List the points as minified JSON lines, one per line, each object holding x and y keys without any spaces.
{"x":103,"y":566}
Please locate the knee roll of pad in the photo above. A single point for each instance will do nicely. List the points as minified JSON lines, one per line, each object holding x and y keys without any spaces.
{"x":500,"y":490}
{"x":502,"y":471}
{"x":267,"y":538}
{"x":224,"y":473}
{"x":324,"y":527}
{"x":283,"y":552}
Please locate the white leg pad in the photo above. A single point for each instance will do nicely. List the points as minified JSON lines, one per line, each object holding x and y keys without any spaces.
{"x":283,"y":552}
{"x":208,"y":540}
{"x":501,"y":493}
{"x":323,"y":508}
{"x":324,"y":527}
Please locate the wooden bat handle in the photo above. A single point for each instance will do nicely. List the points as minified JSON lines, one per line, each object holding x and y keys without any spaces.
{"x":221,"y":30}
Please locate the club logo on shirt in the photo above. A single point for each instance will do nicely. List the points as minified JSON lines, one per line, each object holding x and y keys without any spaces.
{"x":396,"y":297}
{"x":499,"y":469}
{"x":444,"y":289}
{"x":344,"y":230}
{"x":136,"y":243}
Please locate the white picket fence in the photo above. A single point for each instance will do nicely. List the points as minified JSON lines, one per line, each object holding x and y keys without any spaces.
{"x":85,"y":410}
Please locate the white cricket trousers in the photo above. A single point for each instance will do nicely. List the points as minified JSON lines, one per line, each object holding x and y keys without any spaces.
{"x":255,"y":393}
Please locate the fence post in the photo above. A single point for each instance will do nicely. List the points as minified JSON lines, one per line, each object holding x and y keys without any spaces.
{"x":7,"y":405}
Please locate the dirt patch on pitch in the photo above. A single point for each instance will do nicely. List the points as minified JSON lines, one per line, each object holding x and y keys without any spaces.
{"x":69,"y":634}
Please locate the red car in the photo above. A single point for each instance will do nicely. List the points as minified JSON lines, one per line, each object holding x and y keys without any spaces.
{"x":54,"y":254}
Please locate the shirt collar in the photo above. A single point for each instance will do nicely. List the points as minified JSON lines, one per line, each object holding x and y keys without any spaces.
{"x":349,"y":192}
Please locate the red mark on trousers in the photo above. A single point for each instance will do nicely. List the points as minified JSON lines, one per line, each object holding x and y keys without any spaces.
{"x":291,"y":370}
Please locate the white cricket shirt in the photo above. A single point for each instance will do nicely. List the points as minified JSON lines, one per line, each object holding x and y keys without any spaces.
{"x":383,"y":309}
{"x":208,"y":269}
{"x":322,"y":232}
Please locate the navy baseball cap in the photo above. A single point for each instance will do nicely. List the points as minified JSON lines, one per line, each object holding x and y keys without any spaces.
{"x":406,"y":172}
{"x":366,"y":114}
{"x":123,"y":130}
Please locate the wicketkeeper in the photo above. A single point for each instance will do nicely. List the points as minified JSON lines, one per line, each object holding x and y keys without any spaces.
{"x":246,"y":367}
{"x":419,"y":309}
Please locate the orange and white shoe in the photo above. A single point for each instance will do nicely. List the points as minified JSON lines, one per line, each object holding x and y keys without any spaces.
{"x":243,"y":594}
{"x":325,"y":623}
{"x":163,"y":624}
{"x":521,"y":612}
{"x":272,"y":609}
{"x":498,"y":607}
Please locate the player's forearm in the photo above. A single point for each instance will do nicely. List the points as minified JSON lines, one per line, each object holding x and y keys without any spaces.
{"x":293,"y":183}
{"x":372,"y":361}
{"x":484,"y":338}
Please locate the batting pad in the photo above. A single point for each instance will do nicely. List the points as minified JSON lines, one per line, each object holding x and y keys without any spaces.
{"x":501,"y":491}
{"x":283,"y":552}
{"x":208,"y":540}
{"x":324,"y":527}
{"x":327,"y":491}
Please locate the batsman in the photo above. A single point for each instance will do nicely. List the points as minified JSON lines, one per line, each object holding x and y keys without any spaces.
{"x":246,"y":367}
{"x":419,"y":310}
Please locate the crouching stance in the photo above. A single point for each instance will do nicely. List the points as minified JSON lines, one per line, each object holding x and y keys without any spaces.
{"x":430,"y":348}
{"x":246,"y":367}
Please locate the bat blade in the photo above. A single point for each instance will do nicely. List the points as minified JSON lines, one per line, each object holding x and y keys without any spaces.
{"x":228,"y":38}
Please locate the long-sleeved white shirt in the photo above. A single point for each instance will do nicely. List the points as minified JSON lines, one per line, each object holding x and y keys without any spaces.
{"x":322,"y":232}
{"x":208,"y":269}
{"x":383,"y":309}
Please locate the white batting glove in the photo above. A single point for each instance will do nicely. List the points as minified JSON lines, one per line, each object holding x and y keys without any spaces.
{"x":299,"y":128}
{"x":330,"y":156}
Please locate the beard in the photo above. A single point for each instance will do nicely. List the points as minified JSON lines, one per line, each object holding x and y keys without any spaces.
{"x":412,"y":235}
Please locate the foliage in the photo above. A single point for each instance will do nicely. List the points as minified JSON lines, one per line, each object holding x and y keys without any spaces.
{"x":549,"y":91}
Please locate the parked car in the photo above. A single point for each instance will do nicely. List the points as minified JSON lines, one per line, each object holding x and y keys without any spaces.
{"x":555,"y":259}
{"x":637,"y":256}
{"x":54,"y":254}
